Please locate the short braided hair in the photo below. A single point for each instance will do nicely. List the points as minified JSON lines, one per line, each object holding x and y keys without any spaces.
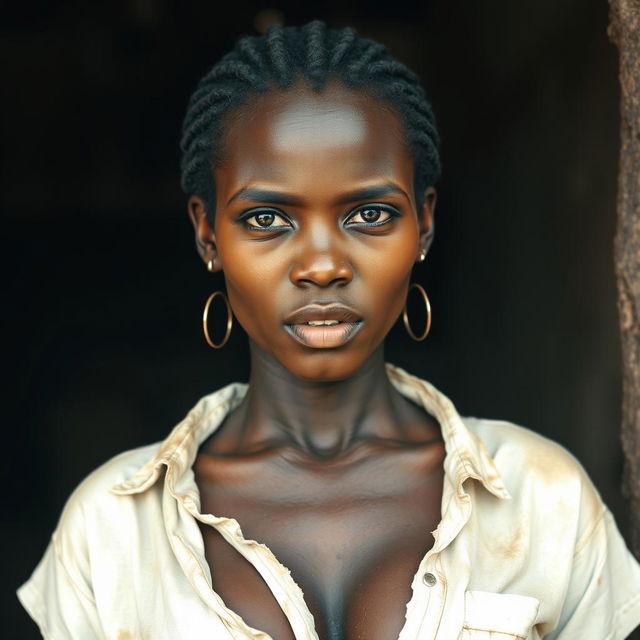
{"x":277,"y":60}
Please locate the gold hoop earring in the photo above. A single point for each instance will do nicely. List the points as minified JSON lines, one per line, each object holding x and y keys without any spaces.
{"x":205,"y":316}
{"x":405,"y":315}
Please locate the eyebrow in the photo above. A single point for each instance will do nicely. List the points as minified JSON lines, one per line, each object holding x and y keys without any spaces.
{"x":372,"y":192}
{"x":263,"y":195}
{"x":257,"y":194}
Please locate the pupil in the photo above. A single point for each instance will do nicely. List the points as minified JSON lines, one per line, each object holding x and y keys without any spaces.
{"x":265,"y":219}
{"x":370,"y":215}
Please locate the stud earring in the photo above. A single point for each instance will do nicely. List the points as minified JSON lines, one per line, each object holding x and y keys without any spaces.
{"x":210,"y":265}
{"x":422,"y":256}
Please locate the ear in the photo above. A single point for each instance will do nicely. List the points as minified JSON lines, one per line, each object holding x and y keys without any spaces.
{"x":426,"y":223}
{"x":205,"y":236}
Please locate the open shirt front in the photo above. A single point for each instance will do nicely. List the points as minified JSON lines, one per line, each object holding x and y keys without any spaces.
{"x":525,"y":548}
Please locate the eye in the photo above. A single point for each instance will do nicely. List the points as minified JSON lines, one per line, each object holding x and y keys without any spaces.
{"x":372,"y":216}
{"x":265,"y":220}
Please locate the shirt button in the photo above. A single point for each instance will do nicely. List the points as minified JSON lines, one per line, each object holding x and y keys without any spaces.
{"x":429,"y":579}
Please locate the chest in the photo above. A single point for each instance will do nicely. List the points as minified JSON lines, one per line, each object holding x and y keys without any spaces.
{"x":351,"y":540}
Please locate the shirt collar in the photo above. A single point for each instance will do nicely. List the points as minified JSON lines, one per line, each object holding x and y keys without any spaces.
{"x":466,"y":456}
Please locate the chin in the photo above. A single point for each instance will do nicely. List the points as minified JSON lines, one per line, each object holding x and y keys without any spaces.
{"x":327,"y":365}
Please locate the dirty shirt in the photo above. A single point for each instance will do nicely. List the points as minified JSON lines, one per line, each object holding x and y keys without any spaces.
{"x":525,"y":548}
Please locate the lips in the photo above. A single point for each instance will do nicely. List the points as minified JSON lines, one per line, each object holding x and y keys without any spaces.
{"x":323,"y":326}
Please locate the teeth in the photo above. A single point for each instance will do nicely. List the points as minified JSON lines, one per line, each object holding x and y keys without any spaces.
{"x":322,"y":323}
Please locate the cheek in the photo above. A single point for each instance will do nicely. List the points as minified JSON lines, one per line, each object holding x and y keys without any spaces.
{"x":387,"y":274}
{"x":247,"y":287}
{"x":391,"y":290}
{"x":252,"y":276}
{"x":397,"y":258}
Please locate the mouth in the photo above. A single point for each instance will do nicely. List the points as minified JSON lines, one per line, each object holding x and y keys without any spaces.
{"x":323,"y":326}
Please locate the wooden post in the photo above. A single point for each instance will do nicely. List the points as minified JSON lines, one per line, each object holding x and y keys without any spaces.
{"x":624,"y":31}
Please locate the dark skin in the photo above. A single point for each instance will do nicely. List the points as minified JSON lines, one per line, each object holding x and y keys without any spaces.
{"x":323,"y":461}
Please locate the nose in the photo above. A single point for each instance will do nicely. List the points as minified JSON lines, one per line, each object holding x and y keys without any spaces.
{"x":321,"y":263}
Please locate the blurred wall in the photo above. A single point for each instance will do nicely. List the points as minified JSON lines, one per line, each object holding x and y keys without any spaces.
{"x":104,"y":350}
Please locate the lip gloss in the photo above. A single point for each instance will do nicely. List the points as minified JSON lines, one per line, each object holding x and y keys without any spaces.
{"x":324,"y":336}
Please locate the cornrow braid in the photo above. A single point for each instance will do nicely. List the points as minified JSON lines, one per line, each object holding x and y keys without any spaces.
{"x":317,"y":54}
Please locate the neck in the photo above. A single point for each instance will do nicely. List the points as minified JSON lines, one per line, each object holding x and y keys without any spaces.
{"x":321,"y":418}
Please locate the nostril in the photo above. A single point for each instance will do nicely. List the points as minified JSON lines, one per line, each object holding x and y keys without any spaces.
{"x":323,"y":270}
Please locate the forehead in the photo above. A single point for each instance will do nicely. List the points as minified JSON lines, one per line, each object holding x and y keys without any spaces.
{"x":336,"y":135}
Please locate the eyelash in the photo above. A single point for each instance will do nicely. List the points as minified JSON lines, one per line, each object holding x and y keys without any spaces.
{"x":383,"y":208}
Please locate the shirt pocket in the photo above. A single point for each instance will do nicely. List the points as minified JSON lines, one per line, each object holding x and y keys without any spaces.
{"x":498,"y":616}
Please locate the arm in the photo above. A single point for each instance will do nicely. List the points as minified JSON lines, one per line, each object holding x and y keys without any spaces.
{"x":603,"y":595}
{"x":59,"y":596}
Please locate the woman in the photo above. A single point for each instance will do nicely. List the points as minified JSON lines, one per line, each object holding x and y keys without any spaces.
{"x":300,"y":506}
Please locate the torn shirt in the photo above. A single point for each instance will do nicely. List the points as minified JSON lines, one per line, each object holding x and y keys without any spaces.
{"x":525,"y":548}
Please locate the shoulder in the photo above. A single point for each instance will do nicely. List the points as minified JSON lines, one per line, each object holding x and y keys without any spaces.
{"x":129,"y":481}
{"x":516,"y":449}
{"x":542,"y":477}
{"x":90,"y":540}
{"x":114,"y":471}
{"x":93,"y":502}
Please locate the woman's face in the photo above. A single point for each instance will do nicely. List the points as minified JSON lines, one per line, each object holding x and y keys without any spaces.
{"x":316,"y":228}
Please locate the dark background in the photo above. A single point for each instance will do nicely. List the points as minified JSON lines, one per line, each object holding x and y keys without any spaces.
{"x":105,"y":292}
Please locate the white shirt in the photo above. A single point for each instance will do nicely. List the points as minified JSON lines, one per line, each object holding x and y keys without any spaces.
{"x":525,"y":547}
